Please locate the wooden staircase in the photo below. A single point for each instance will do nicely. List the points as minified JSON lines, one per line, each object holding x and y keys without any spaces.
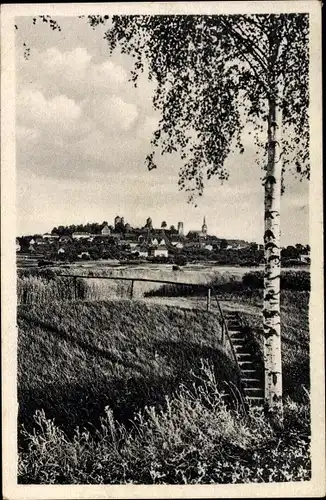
{"x":250,"y":378}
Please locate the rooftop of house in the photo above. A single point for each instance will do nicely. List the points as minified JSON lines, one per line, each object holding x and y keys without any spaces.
{"x":237,"y":242}
{"x":50,"y":235}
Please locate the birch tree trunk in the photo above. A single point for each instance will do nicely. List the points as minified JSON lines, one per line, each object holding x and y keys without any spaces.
{"x":271,"y":310}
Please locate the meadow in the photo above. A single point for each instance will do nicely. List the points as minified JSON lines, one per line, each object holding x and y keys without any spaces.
{"x":115,"y":391}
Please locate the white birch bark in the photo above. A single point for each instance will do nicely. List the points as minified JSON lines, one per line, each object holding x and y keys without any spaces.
{"x":271,"y":310}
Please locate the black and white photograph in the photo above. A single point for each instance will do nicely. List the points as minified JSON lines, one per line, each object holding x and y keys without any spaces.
{"x":161,"y":252}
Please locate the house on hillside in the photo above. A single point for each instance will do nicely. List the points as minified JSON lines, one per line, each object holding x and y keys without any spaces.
{"x":106,"y":231}
{"x":61,"y":251}
{"x":50,"y":237}
{"x":80,"y":236}
{"x":242,"y":246}
{"x":84,"y":255}
{"x":132,"y":244}
{"x":192,"y":245}
{"x":39,"y":240}
{"x":237,"y":244}
{"x":305,"y":258}
{"x":159,"y":251}
{"x":199,"y":235}
{"x":65,"y":239}
{"x":141,"y":250}
{"x":177,"y":244}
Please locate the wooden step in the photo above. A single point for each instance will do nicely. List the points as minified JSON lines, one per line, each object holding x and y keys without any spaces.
{"x":255,"y":399}
{"x":240,"y":348}
{"x":249,"y":391}
{"x":250,"y":382}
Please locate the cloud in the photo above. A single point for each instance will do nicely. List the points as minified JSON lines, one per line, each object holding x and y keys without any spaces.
{"x":73,"y":73}
{"x":112,"y":113}
{"x":107,"y":74}
{"x":69,"y":65}
{"x":59,"y":113}
{"x":69,"y":110}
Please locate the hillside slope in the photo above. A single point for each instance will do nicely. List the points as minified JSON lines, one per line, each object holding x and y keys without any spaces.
{"x":75,"y":358}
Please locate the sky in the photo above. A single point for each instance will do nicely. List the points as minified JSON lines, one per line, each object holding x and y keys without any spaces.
{"x":82,"y":135}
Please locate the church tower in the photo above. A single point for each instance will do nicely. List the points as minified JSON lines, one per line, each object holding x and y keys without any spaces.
{"x":204,"y":227}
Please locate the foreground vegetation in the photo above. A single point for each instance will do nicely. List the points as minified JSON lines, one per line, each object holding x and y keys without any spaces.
{"x":194,"y":439}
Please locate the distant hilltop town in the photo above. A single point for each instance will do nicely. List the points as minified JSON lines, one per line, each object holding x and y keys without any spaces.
{"x":124,"y":242}
{"x":142,"y":238}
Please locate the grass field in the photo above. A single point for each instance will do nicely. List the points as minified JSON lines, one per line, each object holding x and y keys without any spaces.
{"x":77,"y":357}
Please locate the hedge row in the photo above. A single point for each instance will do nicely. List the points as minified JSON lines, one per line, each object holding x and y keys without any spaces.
{"x":290,"y":280}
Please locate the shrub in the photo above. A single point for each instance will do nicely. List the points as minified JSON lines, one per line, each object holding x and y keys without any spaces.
{"x":290,"y":280}
{"x":178,"y":290}
{"x":296,"y":280}
{"x":294,"y":263}
{"x":180,"y":260}
{"x":38,"y":289}
{"x":193,"y":439}
{"x":48,"y":274}
{"x":253,"y":280}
